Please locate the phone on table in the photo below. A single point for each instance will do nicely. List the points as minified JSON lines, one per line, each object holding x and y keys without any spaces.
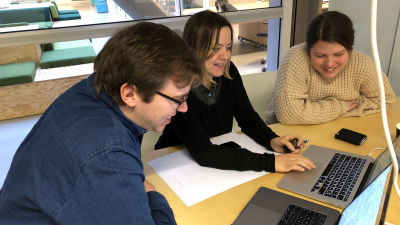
{"x":350,"y":136}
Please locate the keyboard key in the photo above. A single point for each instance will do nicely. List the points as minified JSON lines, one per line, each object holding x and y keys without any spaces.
{"x":296,"y":215}
{"x":339,"y":177}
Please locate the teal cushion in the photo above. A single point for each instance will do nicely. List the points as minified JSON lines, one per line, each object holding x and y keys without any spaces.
{"x":71,"y":44}
{"x":67,"y":11}
{"x":17,"y":73}
{"x":72,"y":16}
{"x":67,"y":57}
{"x":43,"y":25}
{"x":28,"y":15}
{"x":65,"y":44}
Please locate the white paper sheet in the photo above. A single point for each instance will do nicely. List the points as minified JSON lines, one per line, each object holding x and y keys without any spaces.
{"x":194,"y":183}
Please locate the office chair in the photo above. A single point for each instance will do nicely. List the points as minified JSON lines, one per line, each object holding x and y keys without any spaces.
{"x":264,"y":60}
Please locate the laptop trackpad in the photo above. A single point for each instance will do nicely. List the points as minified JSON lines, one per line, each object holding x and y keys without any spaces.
{"x":254,"y":215}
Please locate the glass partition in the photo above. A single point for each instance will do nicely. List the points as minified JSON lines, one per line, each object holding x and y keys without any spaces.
{"x":83,"y":27}
{"x":64,"y":13}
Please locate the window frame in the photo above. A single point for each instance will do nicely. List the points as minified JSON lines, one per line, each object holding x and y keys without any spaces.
{"x":19,"y":38}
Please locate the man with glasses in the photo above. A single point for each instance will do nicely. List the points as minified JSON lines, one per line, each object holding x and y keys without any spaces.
{"x":178,"y":101}
{"x":81,"y":162}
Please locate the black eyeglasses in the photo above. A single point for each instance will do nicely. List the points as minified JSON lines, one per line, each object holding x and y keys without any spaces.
{"x":178,"y":101}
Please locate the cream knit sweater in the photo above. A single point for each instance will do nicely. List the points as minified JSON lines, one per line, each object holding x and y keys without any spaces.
{"x":302,"y":96}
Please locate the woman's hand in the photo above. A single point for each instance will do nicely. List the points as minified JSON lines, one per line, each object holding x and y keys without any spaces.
{"x":278,"y":143}
{"x":350,"y":105}
{"x":288,"y":162}
{"x":148,"y":186}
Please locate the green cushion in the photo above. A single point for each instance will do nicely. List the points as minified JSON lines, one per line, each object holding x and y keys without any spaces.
{"x":68,"y":11}
{"x":67,"y":57}
{"x":72,"y":16}
{"x":28,"y":15}
{"x":17,"y":73}
{"x":44,"y":25}
{"x":65,"y":44}
{"x":53,"y":11}
{"x":71,"y":44}
{"x":60,"y":12}
{"x":55,"y":4}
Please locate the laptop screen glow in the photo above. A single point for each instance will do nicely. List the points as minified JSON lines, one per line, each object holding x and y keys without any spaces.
{"x":365,"y":208}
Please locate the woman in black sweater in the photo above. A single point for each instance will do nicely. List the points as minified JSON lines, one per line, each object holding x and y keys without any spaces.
{"x":220,"y":97}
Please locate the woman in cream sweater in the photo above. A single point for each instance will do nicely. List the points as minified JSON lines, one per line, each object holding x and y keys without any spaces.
{"x":324,"y":78}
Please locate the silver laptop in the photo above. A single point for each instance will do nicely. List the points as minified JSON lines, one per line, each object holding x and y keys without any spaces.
{"x":271,"y":207}
{"x":339,"y":176}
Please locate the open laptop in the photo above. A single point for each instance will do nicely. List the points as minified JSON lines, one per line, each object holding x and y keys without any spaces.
{"x":338,"y":176}
{"x":271,"y":207}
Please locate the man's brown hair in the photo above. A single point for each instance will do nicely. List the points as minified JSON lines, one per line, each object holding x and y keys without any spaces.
{"x":145,"y":55}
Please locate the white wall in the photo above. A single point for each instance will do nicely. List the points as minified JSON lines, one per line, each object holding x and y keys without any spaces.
{"x":394,"y":69}
{"x":259,"y":88}
{"x":387,"y":27}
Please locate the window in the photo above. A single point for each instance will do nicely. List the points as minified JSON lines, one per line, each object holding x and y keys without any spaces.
{"x":99,"y":19}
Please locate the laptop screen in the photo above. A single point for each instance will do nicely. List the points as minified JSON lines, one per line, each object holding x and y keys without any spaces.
{"x":364,"y":210}
{"x":381,"y":163}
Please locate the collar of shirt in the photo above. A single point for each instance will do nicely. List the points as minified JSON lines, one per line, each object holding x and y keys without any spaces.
{"x":136,"y":129}
{"x":209,"y":96}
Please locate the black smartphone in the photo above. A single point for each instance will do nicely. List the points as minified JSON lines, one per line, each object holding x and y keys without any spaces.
{"x":350,"y":136}
{"x":293,"y":142}
{"x":231,"y":144}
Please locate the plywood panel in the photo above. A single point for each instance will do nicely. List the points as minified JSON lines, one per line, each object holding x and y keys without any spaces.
{"x":33,"y":98}
{"x":26,"y":53}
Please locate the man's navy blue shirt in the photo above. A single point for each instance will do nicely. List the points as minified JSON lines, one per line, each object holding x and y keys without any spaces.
{"x":81,"y":164}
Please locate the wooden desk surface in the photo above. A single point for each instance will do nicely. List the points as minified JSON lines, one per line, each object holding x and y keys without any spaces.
{"x":223,"y":208}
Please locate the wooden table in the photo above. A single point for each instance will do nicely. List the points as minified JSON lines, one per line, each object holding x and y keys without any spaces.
{"x":225,"y":207}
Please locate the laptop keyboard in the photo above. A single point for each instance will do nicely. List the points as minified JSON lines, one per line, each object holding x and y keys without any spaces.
{"x":339,"y":177}
{"x":297,"y":215}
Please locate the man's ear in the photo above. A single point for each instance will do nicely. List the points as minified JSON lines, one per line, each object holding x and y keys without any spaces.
{"x":129,"y":94}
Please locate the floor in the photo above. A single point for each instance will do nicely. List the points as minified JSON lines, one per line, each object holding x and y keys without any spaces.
{"x":248,"y":57}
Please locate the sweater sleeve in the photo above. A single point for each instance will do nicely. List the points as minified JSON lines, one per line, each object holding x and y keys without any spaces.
{"x":369,"y":100}
{"x":190,"y":131}
{"x":291,"y":101}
